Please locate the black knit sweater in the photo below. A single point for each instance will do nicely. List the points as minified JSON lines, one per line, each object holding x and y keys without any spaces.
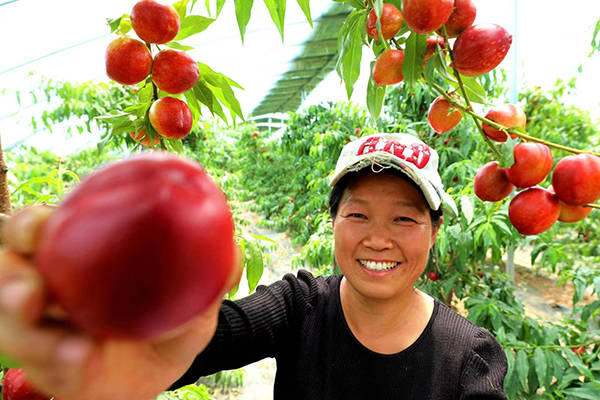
{"x":299,"y":321}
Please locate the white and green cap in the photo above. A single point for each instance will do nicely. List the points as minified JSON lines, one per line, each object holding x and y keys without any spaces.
{"x":403,"y":152}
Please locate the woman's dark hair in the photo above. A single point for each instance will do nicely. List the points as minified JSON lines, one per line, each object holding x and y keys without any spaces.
{"x":338,"y":190}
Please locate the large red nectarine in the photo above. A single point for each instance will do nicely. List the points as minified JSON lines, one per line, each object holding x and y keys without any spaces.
{"x":533,"y":163}
{"x":388,"y":67}
{"x":491,"y":183}
{"x":480,"y":48}
{"x":432,"y":43}
{"x":462,"y":17}
{"x":139,"y":247}
{"x":142,"y":137}
{"x":128,"y":61}
{"x":569,"y":213}
{"x":533,"y":211}
{"x":442,"y":116}
{"x":171,"y":117}
{"x":391,"y":22}
{"x":508,"y":115}
{"x":154,"y":22}
{"x":426,"y":16}
{"x":174,"y":71}
{"x":576,"y":179}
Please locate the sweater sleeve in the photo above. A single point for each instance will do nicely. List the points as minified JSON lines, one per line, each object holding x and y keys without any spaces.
{"x":484,"y":369}
{"x":254,"y":327}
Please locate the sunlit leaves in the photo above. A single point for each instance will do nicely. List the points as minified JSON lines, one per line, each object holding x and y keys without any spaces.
{"x":191,"y":25}
{"x":350,"y":49}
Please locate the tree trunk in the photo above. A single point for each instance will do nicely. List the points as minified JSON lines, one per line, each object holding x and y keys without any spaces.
{"x":5,"y":206}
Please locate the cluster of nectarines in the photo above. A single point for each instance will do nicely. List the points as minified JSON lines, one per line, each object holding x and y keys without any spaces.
{"x":477,"y":49}
{"x":575,"y":180}
{"x":129,"y":61}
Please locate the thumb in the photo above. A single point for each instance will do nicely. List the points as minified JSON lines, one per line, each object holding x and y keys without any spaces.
{"x":22,"y":231}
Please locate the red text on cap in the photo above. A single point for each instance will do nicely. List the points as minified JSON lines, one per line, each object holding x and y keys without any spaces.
{"x":418,"y":153}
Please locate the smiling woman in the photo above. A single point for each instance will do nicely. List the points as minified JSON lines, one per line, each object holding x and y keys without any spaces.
{"x":367,"y":332}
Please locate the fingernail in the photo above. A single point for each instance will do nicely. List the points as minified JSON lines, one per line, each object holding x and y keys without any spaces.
{"x":14,"y":295}
{"x":73,"y":350}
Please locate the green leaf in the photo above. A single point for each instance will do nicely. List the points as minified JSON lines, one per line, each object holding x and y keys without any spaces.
{"x":429,"y":70}
{"x":375,"y":96}
{"x":507,"y":151}
{"x":305,"y":6}
{"x":580,"y":285}
{"x":191,"y":25}
{"x":220,"y":4}
{"x":181,"y":8}
{"x":277,"y":10}
{"x":597,"y":279}
{"x":194,"y":104}
{"x":7,"y":362}
{"x":124,"y":26}
{"x":576,"y":362}
{"x":466,"y":206}
{"x":145,"y":93}
{"x":113,"y":23}
{"x":253,"y":262}
{"x":243,"y":10}
{"x":473,"y":89}
{"x":204,"y":94}
{"x":179,"y":46}
{"x":414,"y":53}
{"x":350,"y":49}
{"x":220,"y":86}
{"x":174,"y":145}
{"x":588,"y":391}
{"x":510,"y":358}
{"x":440,"y":64}
{"x":522,"y":368}
{"x":265,"y":238}
{"x":558,"y":365}
{"x":541,"y":366}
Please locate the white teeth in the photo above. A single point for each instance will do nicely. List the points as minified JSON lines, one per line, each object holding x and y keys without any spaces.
{"x":378,"y":266}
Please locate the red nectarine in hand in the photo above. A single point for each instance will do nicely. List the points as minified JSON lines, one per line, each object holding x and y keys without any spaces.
{"x":139,"y":247}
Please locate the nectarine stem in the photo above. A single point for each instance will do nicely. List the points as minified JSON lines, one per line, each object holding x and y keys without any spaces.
{"x":516,"y":132}
{"x":469,"y":108}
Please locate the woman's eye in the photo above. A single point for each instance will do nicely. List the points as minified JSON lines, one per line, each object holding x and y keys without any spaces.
{"x":356,"y":215}
{"x":405,"y":219}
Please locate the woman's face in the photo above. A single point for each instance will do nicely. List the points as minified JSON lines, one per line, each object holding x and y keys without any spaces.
{"x":382,"y":233}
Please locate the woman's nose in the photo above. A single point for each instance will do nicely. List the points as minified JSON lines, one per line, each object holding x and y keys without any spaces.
{"x":379,"y":237}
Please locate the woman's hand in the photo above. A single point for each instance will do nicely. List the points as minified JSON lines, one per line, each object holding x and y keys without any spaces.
{"x":62,"y":360}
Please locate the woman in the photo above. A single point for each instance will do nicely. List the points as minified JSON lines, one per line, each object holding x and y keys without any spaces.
{"x":367,"y":332}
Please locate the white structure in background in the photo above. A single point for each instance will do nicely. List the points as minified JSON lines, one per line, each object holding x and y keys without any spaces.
{"x":271,"y":121}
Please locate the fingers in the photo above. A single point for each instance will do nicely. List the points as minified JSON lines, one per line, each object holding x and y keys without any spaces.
{"x":42,"y":346}
{"x":22,"y":292}
{"x":22,"y":231}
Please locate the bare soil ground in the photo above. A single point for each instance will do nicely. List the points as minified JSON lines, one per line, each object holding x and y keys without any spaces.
{"x":541,"y":297}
